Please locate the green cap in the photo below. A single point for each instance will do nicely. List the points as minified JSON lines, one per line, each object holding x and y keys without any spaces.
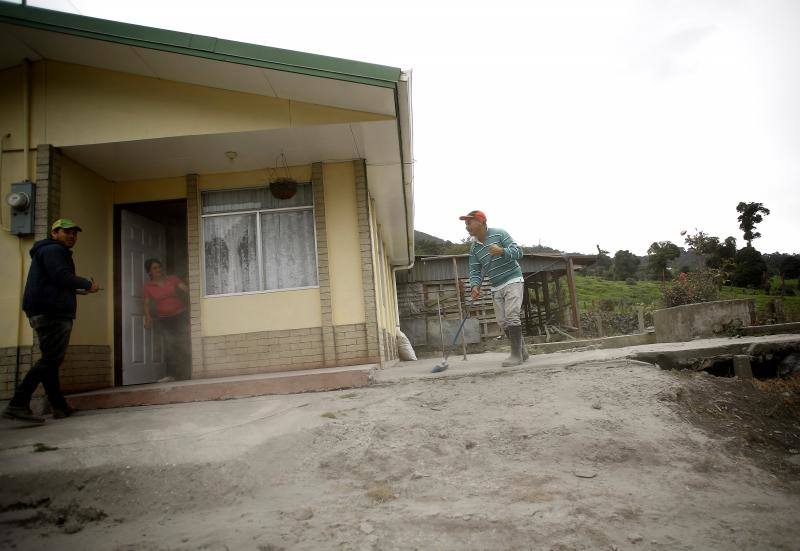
{"x":66,"y":224}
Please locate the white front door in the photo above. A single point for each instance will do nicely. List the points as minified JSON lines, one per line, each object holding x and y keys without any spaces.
{"x":142,"y":354}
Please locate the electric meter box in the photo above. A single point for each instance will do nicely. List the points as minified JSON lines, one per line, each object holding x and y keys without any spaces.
{"x":22,"y":201}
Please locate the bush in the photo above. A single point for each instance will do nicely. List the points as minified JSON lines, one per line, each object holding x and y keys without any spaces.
{"x":699,"y":286}
{"x":607,"y":305}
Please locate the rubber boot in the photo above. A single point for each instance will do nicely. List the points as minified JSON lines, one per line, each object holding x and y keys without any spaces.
{"x":508,"y":337}
{"x":515,"y":336}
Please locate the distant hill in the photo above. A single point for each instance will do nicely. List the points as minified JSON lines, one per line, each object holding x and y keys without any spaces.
{"x":427,"y":244}
{"x":422,"y":236}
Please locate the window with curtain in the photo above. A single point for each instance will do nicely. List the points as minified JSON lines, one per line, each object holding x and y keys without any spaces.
{"x":255,"y":242}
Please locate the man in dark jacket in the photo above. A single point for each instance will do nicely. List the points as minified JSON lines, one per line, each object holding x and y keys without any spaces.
{"x":50,"y":304}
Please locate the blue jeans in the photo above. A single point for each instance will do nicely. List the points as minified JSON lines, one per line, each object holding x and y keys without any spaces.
{"x":53,"y":336}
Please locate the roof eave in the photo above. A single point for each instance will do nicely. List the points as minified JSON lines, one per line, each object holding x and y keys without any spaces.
{"x":201,"y":46}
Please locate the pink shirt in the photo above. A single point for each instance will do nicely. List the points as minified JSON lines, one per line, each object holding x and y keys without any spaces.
{"x":165,"y":295}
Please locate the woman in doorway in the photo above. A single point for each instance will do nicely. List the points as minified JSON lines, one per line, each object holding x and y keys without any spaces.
{"x":172,"y":320}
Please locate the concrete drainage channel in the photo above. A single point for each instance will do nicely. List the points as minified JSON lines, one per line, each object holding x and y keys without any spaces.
{"x":747,"y":361}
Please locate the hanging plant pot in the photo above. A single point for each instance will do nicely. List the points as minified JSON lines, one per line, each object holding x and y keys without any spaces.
{"x":283,"y":188}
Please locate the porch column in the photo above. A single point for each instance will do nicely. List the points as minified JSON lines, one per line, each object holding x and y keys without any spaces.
{"x":48,"y":190}
{"x":328,"y":337}
{"x":374,"y":336}
{"x":573,"y":297}
{"x":193,"y":222}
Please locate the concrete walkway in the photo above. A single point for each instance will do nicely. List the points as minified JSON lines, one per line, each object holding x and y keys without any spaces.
{"x":490,"y":361}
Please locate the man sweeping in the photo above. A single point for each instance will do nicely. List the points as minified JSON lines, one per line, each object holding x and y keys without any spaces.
{"x":494,"y":254}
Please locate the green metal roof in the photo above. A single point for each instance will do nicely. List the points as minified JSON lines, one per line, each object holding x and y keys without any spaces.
{"x":200,"y":46}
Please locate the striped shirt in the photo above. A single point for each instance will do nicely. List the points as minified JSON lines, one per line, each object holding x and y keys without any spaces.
{"x":499,"y":269}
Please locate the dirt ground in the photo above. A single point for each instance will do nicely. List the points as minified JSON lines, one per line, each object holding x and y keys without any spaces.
{"x":581,"y":450}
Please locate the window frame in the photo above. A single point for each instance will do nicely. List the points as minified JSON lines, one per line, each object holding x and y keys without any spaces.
{"x":259,"y":247}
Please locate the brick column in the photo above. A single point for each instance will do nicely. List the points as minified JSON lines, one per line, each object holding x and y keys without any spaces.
{"x":374,"y":337}
{"x":48,"y":190}
{"x":328,"y":338}
{"x":193,"y":222}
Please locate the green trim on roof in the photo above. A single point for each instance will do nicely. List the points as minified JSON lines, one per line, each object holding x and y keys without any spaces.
{"x":200,"y":46}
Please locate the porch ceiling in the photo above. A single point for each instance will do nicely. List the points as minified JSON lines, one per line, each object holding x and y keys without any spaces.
{"x":376,"y":142}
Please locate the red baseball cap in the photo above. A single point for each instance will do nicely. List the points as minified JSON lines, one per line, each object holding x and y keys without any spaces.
{"x":476,"y":214}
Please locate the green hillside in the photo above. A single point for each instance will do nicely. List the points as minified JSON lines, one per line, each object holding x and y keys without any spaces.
{"x":591,"y":290}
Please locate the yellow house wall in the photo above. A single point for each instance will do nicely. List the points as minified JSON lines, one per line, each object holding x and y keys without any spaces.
{"x":87,"y":198}
{"x":11,"y":111}
{"x":255,"y":312}
{"x":14,"y":328}
{"x":13,"y":270}
{"x":384,"y":282}
{"x":142,"y":191}
{"x":14,"y":251}
{"x":344,"y":252}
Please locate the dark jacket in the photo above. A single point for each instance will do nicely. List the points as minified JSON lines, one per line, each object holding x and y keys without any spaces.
{"x":52,"y":282}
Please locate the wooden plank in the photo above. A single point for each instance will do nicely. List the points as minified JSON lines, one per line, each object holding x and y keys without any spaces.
{"x":560,"y":314}
{"x":538,"y":307}
{"x":573,"y":296}
{"x":546,"y":297}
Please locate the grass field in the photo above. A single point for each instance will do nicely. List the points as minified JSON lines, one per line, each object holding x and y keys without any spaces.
{"x":591,"y":290}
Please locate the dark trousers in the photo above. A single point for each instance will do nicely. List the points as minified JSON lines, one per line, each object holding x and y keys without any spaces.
{"x":175,"y":330}
{"x":53,"y":336}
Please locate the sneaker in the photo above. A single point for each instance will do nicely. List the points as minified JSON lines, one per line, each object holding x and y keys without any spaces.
{"x":62,"y":413}
{"x":22,"y":414}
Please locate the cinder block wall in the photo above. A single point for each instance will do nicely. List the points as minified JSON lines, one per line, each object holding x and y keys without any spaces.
{"x":85,"y":368}
{"x":351,"y":345}
{"x":286,"y":350}
{"x":8,"y":368}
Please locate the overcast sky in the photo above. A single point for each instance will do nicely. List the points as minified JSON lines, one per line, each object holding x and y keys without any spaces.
{"x":570,"y":123}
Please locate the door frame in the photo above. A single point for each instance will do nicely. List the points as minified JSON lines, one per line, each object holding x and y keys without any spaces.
{"x":117,"y":266}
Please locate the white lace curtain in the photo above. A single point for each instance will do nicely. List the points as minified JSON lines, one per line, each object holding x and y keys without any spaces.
{"x":240,"y":259}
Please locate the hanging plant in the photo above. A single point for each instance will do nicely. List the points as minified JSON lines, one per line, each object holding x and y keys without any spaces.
{"x":283,"y":188}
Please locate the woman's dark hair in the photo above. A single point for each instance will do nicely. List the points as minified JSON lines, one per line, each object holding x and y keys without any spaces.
{"x":149,"y":263}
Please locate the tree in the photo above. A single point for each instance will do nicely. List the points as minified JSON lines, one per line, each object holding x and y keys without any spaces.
{"x":625,"y":265}
{"x":749,"y":216}
{"x":750,"y":268}
{"x":602,"y":267}
{"x":458,"y":248}
{"x":789,"y":268}
{"x":659,"y":254}
{"x":702,"y":243}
